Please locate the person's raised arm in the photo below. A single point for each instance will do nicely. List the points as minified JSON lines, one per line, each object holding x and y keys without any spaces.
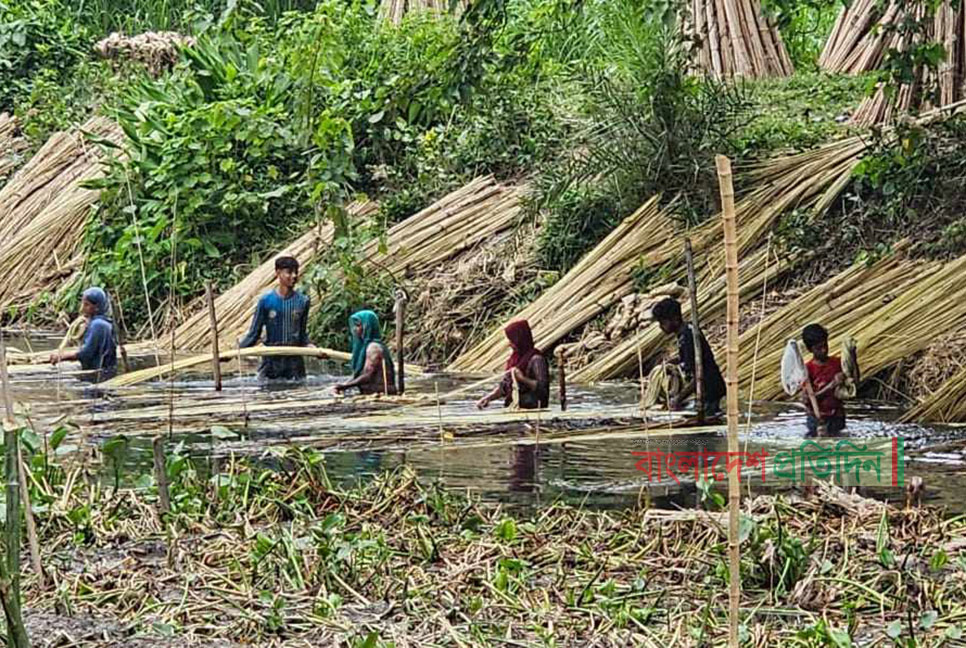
{"x":255,"y":330}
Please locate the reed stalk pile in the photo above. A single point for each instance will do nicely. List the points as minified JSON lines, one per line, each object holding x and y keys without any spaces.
{"x":946,"y":405}
{"x":866,"y":30}
{"x":597,"y":282}
{"x":894,"y":309}
{"x":43,"y":212}
{"x":735,"y":39}
{"x":12,"y":145}
{"x":808,"y":180}
{"x":459,"y":221}
{"x":393,"y":11}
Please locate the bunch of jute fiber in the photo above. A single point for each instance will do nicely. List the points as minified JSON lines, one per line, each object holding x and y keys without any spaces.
{"x":393,"y":11}
{"x":44,"y":210}
{"x":599,"y":280}
{"x":735,"y":39}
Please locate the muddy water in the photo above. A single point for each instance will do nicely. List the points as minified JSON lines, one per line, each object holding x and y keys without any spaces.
{"x":515,"y":468}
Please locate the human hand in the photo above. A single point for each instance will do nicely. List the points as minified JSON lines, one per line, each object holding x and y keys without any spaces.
{"x":340,"y":388}
{"x":674,"y":404}
{"x":482,"y":403}
{"x":54,"y":358}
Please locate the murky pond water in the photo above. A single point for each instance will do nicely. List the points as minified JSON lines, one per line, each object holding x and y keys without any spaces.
{"x":447,"y":439}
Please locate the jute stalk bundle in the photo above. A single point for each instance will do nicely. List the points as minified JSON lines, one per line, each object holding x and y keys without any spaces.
{"x":166,"y":368}
{"x":598,"y":281}
{"x":865,"y":32}
{"x":736,"y":40}
{"x":393,"y":11}
{"x":883,"y":307}
{"x":812,"y":179}
{"x":11,"y":145}
{"x":946,"y":405}
{"x":460,"y":220}
{"x":43,"y":212}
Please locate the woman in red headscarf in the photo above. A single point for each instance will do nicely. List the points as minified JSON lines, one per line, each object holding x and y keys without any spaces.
{"x":528,"y":366}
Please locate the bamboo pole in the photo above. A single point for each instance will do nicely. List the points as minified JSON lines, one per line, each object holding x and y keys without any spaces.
{"x":696,"y":333}
{"x":10,"y":569}
{"x":28,"y":514}
{"x":562,"y":376}
{"x":161,"y":475}
{"x":215,"y":357}
{"x":400,"y":309}
{"x":734,"y":494}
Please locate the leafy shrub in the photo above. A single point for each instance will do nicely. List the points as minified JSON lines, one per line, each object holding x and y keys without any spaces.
{"x":214,"y":173}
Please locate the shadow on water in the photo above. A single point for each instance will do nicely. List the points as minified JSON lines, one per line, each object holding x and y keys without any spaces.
{"x":598,"y":471}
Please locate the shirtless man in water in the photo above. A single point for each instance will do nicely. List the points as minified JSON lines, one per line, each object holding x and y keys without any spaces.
{"x":372,"y":367}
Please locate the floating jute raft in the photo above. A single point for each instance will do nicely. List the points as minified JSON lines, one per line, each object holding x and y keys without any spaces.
{"x":164,"y":369}
{"x":44,"y":210}
{"x":460,"y":220}
{"x":866,"y":30}
{"x":735,"y":39}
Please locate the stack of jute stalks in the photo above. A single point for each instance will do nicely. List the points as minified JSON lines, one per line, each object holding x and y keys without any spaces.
{"x":867,"y":30}
{"x":884,"y":307}
{"x":946,"y":405}
{"x":808,"y":180}
{"x":43,"y":212}
{"x":598,"y":281}
{"x":735,"y":39}
{"x":235,"y":306}
{"x":459,"y":221}
{"x":12,"y":145}
{"x":393,"y":11}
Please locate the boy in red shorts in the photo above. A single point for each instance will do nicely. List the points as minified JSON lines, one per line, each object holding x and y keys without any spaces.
{"x":825,"y":373}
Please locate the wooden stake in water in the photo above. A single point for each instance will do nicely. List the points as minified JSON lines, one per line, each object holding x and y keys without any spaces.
{"x":562,"y":376}
{"x":734,"y":494}
{"x":400,"y":309}
{"x":10,"y":568}
{"x":161,"y":475}
{"x":696,"y":333}
{"x":215,"y":361}
{"x":28,"y":515}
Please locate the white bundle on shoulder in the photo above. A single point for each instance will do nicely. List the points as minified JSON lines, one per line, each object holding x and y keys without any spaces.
{"x":793,"y":369}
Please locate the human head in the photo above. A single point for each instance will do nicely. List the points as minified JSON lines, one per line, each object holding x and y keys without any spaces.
{"x":94,"y":302}
{"x":287,"y":271}
{"x":815,"y":338}
{"x":520,"y":336}
{"x":667,"y":313}
{"x":364,"y":325}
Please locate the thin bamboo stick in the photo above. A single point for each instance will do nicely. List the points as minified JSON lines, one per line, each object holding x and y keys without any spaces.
{"x":734,"y":494}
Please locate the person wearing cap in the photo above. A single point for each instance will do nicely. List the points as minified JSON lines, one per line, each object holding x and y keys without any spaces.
{"x":98,"y":351}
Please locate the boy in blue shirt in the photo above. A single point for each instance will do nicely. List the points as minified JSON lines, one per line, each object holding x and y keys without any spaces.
{"x":283,"y":313}
{"x":98,"y":351}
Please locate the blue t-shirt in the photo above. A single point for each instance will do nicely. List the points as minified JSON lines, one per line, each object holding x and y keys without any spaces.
{"x":284,"y":321}
{"x":98,"y":350}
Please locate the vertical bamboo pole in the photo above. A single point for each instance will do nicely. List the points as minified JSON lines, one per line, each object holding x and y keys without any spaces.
{"x":215,"y":356}
{"x":562,"y":376}
{"x":121,"y":331}
{"x":400,"y":309}
{"x":161,"y":475}
{"x":695,"y":332}
{"x":28,"y":516}
{"x":734,"y":495}
{"x":10,"y":565}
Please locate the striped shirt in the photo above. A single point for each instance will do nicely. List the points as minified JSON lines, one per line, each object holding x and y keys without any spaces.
{"x":284,"y":320}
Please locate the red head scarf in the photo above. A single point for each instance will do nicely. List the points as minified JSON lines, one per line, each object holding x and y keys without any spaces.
{"x":521,"y":339}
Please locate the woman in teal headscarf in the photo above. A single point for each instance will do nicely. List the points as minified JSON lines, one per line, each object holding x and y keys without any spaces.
{"x":372,"y":368}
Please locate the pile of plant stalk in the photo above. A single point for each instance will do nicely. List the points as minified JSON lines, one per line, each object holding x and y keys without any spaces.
{"x":280,"y":555}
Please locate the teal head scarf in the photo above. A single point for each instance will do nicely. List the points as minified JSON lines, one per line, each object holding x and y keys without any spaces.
{"x":370,"y":333}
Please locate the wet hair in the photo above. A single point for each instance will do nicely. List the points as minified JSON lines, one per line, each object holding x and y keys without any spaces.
{"x":814,"y":334}
{"x":666,"y":310}
{"x":286,"y":263}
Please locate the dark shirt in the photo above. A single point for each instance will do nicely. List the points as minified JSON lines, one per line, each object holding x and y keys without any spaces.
{"x":537,"y":369}
{"x":284,"y":321}
{"x":714,"y":385}
{"x":98,"y":351}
